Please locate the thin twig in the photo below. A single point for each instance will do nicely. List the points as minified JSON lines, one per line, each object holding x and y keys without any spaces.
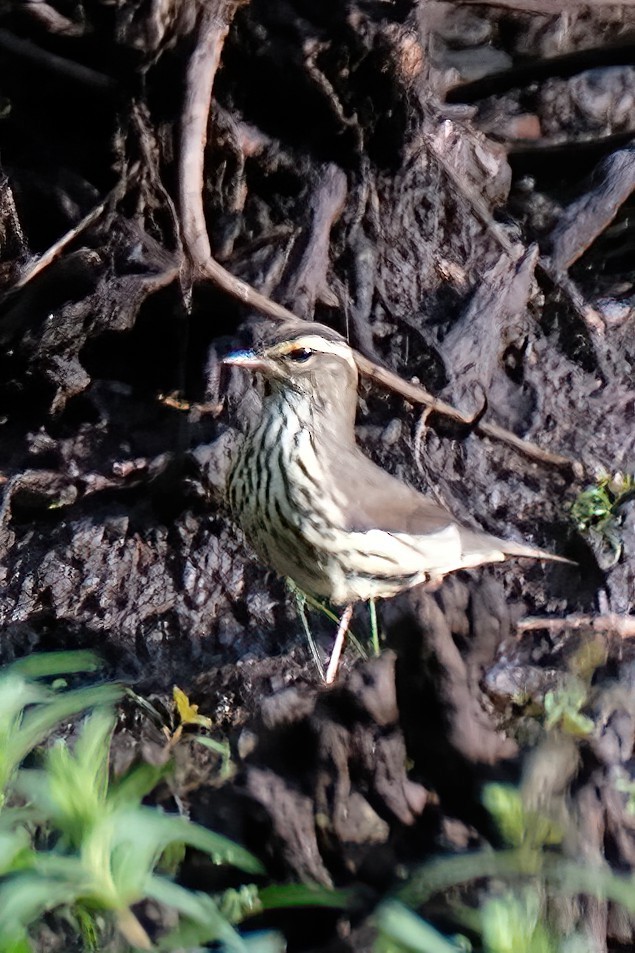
{"x":622,"y":625}
{"x":334,"y":661}
{"x":529,"y":449}
{"x":35,"y":267}
{"x":213,"y":28}
{"x":418,"y":395}
{"x":546,"y":7}
{"x":544,"y":266}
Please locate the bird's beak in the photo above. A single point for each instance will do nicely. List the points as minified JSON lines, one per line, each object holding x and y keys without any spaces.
{"x":249,"y":360}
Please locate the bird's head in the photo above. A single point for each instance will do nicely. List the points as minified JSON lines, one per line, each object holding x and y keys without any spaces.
{"x":306,"y":358}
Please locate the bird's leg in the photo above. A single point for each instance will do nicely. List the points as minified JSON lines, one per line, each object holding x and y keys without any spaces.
{"x":374,"y":631}
{"x":334,"y":661}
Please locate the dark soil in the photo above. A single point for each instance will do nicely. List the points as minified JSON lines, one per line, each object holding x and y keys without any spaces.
{"x":449,"y":184}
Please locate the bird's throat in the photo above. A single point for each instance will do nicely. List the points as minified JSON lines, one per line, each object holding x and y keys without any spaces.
{"x":327,"y":419}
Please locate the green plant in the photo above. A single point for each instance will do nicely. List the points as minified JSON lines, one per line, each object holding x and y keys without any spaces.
{"x":595,"y":510}
{"x":185,"y":715}
{"x":73,"y":839}
{"x":189,"y":716}
{"x":518,"y":825}
{"x":30,"y":710}
{"x":509,"y":889}
{"x":304,"y":599}
{"x":563,"y":706}
{"x":103,"y":846}
{"x":625,"y":785}
{"x":399,"y":930}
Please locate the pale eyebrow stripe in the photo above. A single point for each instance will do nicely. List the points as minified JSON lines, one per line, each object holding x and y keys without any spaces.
{"x":314,"y":343}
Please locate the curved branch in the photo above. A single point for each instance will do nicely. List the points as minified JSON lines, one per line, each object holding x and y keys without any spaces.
{"x":214,"y":23}
{"x":418,"y":395}
{"x":213,"y":26}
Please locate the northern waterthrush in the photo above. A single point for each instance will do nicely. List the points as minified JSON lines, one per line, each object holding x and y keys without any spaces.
{"x":315,"y":508}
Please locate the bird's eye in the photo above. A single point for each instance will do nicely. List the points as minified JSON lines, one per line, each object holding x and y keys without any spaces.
{"x":300,"y":355}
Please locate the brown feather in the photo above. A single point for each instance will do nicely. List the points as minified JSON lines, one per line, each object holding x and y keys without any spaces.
{"x":346,"y":528}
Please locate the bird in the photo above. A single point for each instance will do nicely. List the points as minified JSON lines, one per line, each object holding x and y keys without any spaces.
{"x":320,"y":512}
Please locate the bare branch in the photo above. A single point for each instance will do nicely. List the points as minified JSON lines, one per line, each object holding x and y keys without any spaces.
{"x":214,"y":25}
{"x":418,"y":395}
{"x":214,"y":21}
{"x":622,"y":625}
{"x":547,"y":7}
{"x":35,"y":267}
{"x":544,"y":266}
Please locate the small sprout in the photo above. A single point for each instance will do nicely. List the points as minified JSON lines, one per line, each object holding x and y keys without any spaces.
{"x":515,"y":923}
{"x":519,"y":826}
{"x":237,"y":904}
{"x":595,"y":510}
{"x":562,"y":709}
{"x":188,"y":715}
{"x":592,"y":506}
{"x":222,"y":749}
{"x":626,"y":785}
{"x":187,"y":712}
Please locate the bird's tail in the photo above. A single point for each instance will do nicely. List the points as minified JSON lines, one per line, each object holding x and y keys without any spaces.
{"x":511,"y":548}
{"x":478,"y":549}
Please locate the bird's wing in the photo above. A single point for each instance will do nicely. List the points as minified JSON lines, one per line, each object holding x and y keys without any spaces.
{"x":371,"y":499}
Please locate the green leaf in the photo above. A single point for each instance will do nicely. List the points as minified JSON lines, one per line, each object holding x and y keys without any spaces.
{"x":136,"y":783}
{"x":74,"y":783}
{"x":505,"y":805}
{"x":48,"y":711}
{"x":519,"y":825}
{"x":49,"y":664}
{"x":410,"y":932}
{"x":15,"y":850}
{"x":512,"y":924}
{"x":199,"y":908}
{"x":163,"y":829}
{"x":29,"y":712}
{"x":25,"y":897}
{"x":281,"y":896}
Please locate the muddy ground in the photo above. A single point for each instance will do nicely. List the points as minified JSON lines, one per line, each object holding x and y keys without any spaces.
{"x":449,"y":184}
